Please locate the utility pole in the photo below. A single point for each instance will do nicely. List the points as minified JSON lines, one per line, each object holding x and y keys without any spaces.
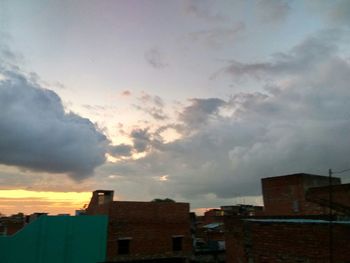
{"x":330,"y":216}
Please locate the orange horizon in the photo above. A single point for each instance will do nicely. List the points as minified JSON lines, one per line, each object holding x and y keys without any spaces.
{"x":16,"y":201}
{"x":28,"y":202}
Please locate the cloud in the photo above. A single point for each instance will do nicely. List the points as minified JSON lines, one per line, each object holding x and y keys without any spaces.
{"x":304,"y":56}
{"x":155,"y":112}
{"x":141,"y":139}
{"x":59,"y":85}
{"x":147,"y":98}
{"x":199,"y":113}
{"x":340,"y":13}
{"x":155,"y":58}
{"x":121,"y":150}
{"x":37,"y":133}
{"x":218,"y":36}
{"x":94,"y":107}
{"x":272,"y":11}
{"x":7,"y":55}
{"x":203,"y":10}
{"x":265,"y":11}
{"x":336,"y":13}
{"x":300,"y":123}
{"x":126,"y":93}
{"x":152,"y":105}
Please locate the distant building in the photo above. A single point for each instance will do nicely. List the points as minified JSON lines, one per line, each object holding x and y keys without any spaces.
{"x":141,"y":231}
{"x":210,"y":231}
{"x":213,"y":216}
{"x":80,"y":212}
{"x":9,"y":225}
{"x":241,"y":210}
{"x":32,"y":217}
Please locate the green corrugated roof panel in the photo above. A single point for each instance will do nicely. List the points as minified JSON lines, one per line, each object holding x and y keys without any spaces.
{"x":58,"y":239}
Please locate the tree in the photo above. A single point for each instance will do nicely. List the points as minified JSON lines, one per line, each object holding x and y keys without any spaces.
{"x":166,"y":200}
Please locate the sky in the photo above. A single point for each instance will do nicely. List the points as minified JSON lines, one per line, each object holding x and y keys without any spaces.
{"x":190,"y":100}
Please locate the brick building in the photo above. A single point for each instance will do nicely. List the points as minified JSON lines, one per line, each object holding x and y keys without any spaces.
{"x":10,"y":225}
{"x":213,"y":216}
{"x":141,"y":231}
{"x":286,"y":240}
{"x":286,"y":195}
{"x":241,"y":210}
{"x":293,"y":228}
{"x":340,"y":197}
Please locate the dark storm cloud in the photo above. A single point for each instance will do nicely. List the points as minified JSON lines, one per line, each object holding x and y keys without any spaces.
{"x":37,"y":134}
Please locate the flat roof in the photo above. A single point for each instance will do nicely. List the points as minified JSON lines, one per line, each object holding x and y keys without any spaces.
{"x":299,"y":175}
{"x":298,"y":221}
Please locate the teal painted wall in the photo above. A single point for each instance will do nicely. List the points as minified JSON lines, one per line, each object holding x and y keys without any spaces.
{"x":57,"y":239}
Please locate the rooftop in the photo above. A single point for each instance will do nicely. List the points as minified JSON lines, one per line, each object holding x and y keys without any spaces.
{"x":296,"y":175}
{"x":298,"y":221}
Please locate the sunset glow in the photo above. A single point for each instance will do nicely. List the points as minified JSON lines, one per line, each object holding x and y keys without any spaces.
{"x":13,"y":201}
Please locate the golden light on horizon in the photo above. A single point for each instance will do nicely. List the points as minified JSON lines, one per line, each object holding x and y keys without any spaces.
{"x":26,"y":201}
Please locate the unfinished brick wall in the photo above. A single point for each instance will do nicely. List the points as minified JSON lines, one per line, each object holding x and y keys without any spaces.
{"x":272,"y":242}
{"x":149,"y":226}
{"x":340,"y":197}
{"x":98,"y":206}
{"x":234,"y":240}
{"x":286,"y":195}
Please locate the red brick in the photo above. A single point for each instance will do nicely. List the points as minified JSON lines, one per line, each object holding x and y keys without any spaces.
{"x":286,"y":195}
{"x":150,"y":225}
